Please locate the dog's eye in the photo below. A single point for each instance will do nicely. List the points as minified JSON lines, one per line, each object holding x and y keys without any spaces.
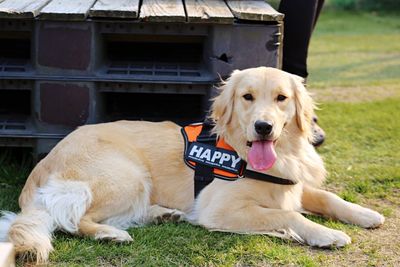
{"x":248,"y":97}
{"x":281,"y":98}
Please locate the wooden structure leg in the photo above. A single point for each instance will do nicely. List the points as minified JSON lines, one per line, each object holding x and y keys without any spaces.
{"x":7,"y":255}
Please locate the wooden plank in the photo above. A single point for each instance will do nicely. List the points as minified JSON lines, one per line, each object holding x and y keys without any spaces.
{"x":213,"y":11}
{"x":7,"y":255}
{"x":115,"y":9}
{"x":254,"y":10}
{"x":162,"y":11}
{"x":67,"y":9}
{"x":21,"y":8}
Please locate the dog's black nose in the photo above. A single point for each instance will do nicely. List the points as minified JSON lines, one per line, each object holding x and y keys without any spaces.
{"x":263,"y":127}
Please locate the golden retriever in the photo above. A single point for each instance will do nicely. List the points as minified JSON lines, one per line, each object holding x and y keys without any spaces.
{"x":102,"y":179}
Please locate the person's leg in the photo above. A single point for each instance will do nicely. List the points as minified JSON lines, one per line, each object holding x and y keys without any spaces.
{"x":300,"y":19}
{"x":320,"y":4}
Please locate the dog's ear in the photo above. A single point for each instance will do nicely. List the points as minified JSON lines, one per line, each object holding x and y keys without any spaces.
{"x":304,"y":105}
{"x":222,"y":107}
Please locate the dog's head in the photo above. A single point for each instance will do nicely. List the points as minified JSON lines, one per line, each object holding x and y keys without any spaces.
{"x":258,"y":107}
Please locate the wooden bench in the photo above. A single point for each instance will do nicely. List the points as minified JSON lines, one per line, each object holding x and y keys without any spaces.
{"x":7,"y":255}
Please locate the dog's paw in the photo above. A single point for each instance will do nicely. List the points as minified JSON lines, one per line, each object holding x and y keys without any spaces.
{"x":326,"y":238}
{"x":367,"y":218}
{"x":172,"y":216}
{"x":114,"y":235}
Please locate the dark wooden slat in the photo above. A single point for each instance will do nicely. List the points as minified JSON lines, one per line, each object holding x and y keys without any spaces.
{"x":254,"y":10}
{"x":212,"y":11}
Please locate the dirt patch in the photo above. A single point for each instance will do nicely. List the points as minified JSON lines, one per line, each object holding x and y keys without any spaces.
{"x":355,"y":94}
{"x":370,"y":247}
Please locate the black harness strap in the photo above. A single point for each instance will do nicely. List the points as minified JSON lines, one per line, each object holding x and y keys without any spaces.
{"x":204,"y":175}
{"x":267,"y":178}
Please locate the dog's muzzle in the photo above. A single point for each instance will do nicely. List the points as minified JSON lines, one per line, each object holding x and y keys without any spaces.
{"x":318,"y":133}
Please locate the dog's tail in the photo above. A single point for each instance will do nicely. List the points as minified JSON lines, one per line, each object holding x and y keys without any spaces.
{"x":30,"y":231}
{"x":56,"y":205}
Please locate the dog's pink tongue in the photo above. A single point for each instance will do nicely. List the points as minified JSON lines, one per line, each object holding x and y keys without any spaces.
{"x":262,"y":155}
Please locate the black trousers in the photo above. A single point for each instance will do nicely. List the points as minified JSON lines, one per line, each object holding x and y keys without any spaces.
{"x":300,"y":19}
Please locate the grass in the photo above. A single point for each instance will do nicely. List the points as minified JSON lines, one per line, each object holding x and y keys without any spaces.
{"x":349,"y":52}
{"x":14,"y":169}
{"x":173,"y":245}
{"x":363,"y":148}
{"x":355,"y":49}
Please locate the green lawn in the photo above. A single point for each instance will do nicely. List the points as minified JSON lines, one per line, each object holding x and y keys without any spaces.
{"x":350,"y":49}
{"x":348,"y":53}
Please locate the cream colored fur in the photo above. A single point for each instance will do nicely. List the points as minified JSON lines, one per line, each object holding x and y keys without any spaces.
{"x":102,"y":179}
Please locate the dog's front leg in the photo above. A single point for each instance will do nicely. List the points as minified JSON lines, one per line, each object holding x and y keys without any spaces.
{"x":329,"y":204}
{"x":257,"y":219}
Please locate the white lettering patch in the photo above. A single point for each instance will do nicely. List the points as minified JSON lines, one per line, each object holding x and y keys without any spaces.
{"x":214,"y":157}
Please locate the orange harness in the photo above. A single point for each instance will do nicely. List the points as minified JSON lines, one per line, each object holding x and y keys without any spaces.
{"x":221,"y":156}
{"x":214,"y":158}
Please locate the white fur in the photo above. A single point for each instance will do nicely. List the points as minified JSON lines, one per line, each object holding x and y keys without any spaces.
{"x":65,"y":201}
{"x":136,"y":215}
{"x":325,"y":237}
{"x":32,"y":231}
{"x":7,"y":218}
{"x":114,"y":235}
{"x":364,"y":217}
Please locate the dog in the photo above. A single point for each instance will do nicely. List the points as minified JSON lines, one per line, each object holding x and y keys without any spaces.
{"x":102,"y":179}
{"x":318,"y":136}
